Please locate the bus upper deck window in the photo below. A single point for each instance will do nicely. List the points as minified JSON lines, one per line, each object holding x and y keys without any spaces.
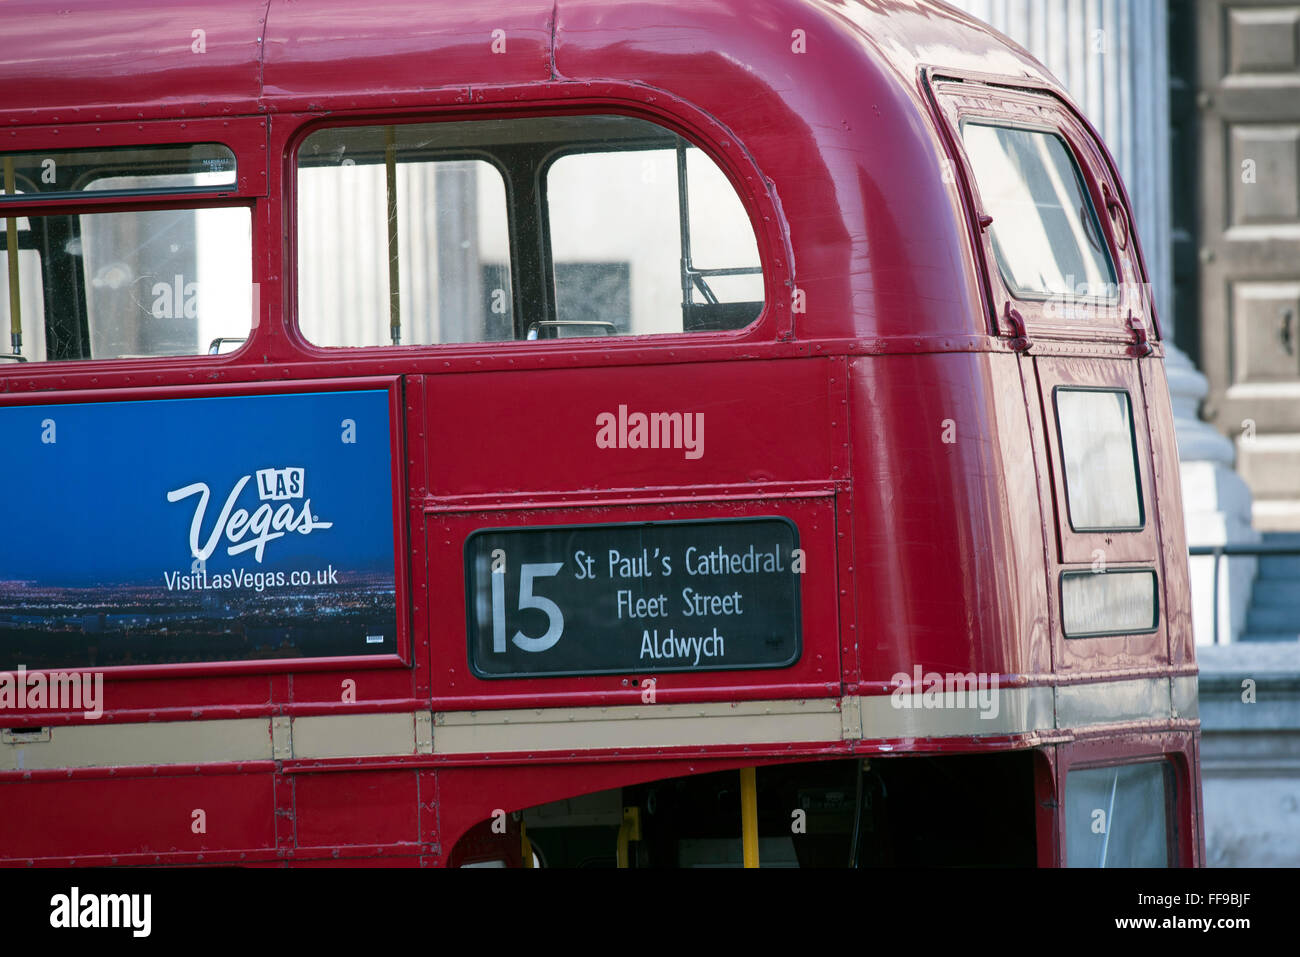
{"x":532,"y":228}
{"x":126,"y":284}
{"x":403,"y":238}
{"x":650,"y":240}
{"x":1046,"y":236}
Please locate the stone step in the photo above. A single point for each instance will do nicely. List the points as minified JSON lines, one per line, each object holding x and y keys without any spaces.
{"x":1276,"y":567}
{"x":1273,"y":619}
{"x":1281,"y":538}
{"x":1276,"y":593}
{"x":1274,"y":612}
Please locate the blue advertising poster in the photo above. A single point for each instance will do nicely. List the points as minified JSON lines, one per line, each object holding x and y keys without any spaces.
{"x":192,"y":530}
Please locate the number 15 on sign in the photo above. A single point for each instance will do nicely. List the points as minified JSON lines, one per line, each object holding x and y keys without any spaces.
{"x":555,"y":618}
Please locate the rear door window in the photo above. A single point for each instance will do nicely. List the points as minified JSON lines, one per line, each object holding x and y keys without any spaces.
{"x":1100,"y":459}
{"x":1049,"y":218}
{"x":1045,"y":233}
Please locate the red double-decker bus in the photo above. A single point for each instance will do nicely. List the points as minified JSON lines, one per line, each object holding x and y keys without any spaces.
{"x":593,"y":433}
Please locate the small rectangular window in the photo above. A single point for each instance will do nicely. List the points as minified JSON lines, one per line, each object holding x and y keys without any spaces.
{"x":1115,"y":602}
{"x":182,"y":167}
{"x":1118,"y":816}
{"x":1099,"y":457}
{"x":1045,"y":233}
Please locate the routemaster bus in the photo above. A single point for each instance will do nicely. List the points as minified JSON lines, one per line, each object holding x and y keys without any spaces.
{"x":593,"y":433}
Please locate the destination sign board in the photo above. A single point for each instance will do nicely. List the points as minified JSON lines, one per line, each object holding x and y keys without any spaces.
{"x":633,"y":598}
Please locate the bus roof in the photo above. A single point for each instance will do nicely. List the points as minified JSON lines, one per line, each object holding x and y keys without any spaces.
{"x":142,"y":59}
{"x":826,"y":96}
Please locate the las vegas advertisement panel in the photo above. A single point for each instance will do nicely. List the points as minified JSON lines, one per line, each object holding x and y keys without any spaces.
{"x":198,"y":529}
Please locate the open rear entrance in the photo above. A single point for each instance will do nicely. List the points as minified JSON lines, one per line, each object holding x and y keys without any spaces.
{"x":951,"y":811}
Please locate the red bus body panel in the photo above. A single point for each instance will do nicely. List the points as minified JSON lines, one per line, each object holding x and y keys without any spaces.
{"x":942,"y":555}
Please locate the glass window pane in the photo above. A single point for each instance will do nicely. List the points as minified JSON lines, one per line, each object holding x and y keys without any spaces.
{"x":30,"y":305}
{"x":1108,"y":603}
{"x":470,"y":195}
{"x":1100,"y":458}
{"x":617,"y":242}
{"x":617,"y":213}
{"x":1045,"y":233}
{"x":186,"y":166}
{"x":134,"y":284}
{"x":450,"y":242}
{"x":1117,"y":817}
{"x":166,"y":282}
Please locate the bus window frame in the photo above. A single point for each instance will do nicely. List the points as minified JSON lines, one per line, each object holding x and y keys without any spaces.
{"x":246,"y":137}
{"x":81,"y":186}
{"x":969,"y":99}
{"x":151,"y":202}
{"x":773,"y":324}
{"x":1157,"y":610}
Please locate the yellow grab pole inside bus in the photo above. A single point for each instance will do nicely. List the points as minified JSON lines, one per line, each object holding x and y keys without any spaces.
{"x":629,"y":830}
{"x":11,"y":249}
{"x":749,"y":816}
{"x":394,"y":275}
{"x":526,"y":846}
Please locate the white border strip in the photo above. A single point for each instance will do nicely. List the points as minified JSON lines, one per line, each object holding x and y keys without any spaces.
{"x":637,"y":726}
{"x":1011,"y":711}
{"x":1115,"y":702}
